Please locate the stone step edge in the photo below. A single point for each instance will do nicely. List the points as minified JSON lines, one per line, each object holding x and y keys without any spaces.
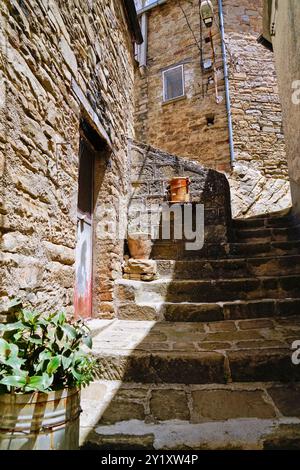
{"x":166,"y":280}
{"x":208,"y":311}
{"x":221,"y":366}
{"x":197,"y":367}
{"x":238,"y":434}
{"x":281,"y":214}
{"x":238,"y":259}
{"x":101,"y":399}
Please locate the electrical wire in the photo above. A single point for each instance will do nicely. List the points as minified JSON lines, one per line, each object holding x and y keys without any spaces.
{"x":201,"y":48}
{"x":190,"y":27}
{"x":199,"y":45}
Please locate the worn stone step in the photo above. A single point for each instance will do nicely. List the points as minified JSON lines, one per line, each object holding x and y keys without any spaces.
{"x":267,"y":234}
{"x":164,"y":290}
{"x":266,"y":248}
{"x":229,"y":268}
{"x":208,"y":312}
{"x":288,"y":220}
{"x":176,"y":250}
{"x":124,"y":416}
{"x":197,"y":353}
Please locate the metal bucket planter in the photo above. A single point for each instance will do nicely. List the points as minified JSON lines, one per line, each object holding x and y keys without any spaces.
{"x":40,"y":421}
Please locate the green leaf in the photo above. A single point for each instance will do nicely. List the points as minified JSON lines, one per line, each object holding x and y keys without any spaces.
{"x":87,"y":340}
{"x":45,"y":355}
{"x":7,"y":350}
{"x":59,"y":333}
{"x":15,"y":362}
{"x":17,"y":336}
{"x":35,"y":339}
{"x":15,"y":302}
{"x":70,"y":331}
{"x":14,"y":381}
{"x":54,"y":318}
{"x":28,"y":316}
{"x":15,"y":305}
{"x":39,"y":382}
{"x":66,"y":362}
{"x":12,"y":326}
{"x":77,"y":375}
{"x":61,"y":318}
{"x":53,"y":365}
{"x":3,"y":347}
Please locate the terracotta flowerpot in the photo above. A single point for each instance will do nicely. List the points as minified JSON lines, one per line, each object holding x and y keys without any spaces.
{"x":179,"y":189}
{"x":140,"y":245}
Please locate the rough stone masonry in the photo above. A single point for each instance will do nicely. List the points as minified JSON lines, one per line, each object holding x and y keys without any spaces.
{"x":59,"y":61}
{"x":195,"y":126}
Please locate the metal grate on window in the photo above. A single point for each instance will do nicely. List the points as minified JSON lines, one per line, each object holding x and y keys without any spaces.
{"x":173,"y":83}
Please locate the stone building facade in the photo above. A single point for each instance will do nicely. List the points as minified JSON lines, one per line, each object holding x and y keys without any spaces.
{"x":259,"y":181}
{"x":67,"y":76}
{"x":282,"y":30}
{"x":196,"y":124}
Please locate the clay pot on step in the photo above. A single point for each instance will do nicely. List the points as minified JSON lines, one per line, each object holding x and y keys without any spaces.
{"x":179,"y":189}
{"x":140,"y":245}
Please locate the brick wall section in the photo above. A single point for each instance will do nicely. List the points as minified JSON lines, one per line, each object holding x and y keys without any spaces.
{"x":180,"y":127}
{"x":44,"y":46}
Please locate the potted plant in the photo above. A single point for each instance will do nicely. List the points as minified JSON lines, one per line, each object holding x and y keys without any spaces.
{"x":42,"y":368}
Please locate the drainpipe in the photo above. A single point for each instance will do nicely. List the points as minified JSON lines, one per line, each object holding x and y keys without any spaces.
{"x":226,"y":78}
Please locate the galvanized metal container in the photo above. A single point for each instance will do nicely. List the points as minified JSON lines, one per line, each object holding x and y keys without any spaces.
{"x":40,"y":421}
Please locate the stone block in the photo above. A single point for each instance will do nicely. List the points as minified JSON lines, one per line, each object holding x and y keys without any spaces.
{"x":122,"y":410}
{"x":136,"y":266}
{"x":68,"y":55}
{"x":169,"y":404}
{"x":132,"y":311}
{"x":193,"y":312}
{"x":219,"y":405}
{"x":262,"y":365}
{"x":286,"y":399}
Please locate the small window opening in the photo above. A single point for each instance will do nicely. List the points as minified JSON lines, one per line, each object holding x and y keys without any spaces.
{"x":173,"y":83}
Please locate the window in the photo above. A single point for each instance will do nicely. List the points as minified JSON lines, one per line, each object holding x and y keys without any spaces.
{"x":149,"y":2}
{"x":140,"y":4}
{"x":173,"y":83}
{"x":145,"y":5}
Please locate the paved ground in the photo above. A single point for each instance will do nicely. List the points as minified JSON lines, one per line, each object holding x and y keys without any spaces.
{"x":245,"y":415}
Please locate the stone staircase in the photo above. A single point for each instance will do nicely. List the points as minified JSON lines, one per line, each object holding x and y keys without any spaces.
{"x":201,"y":358}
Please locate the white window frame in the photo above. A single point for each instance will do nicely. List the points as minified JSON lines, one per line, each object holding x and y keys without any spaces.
{"x":166,"y":100}
{"x":141,"y":7}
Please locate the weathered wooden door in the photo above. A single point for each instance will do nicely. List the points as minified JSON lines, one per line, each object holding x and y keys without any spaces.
{"x":84,"y":247}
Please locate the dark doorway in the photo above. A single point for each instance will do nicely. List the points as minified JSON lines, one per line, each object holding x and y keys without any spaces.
{"x":84,"y":247}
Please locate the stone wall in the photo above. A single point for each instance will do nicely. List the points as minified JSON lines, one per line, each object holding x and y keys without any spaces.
{"x":151,"y":171}
{"x":181,"y":126}
{"x":286,"y":44}
{"x":259,"y":180}
{"x":59,"y":61}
